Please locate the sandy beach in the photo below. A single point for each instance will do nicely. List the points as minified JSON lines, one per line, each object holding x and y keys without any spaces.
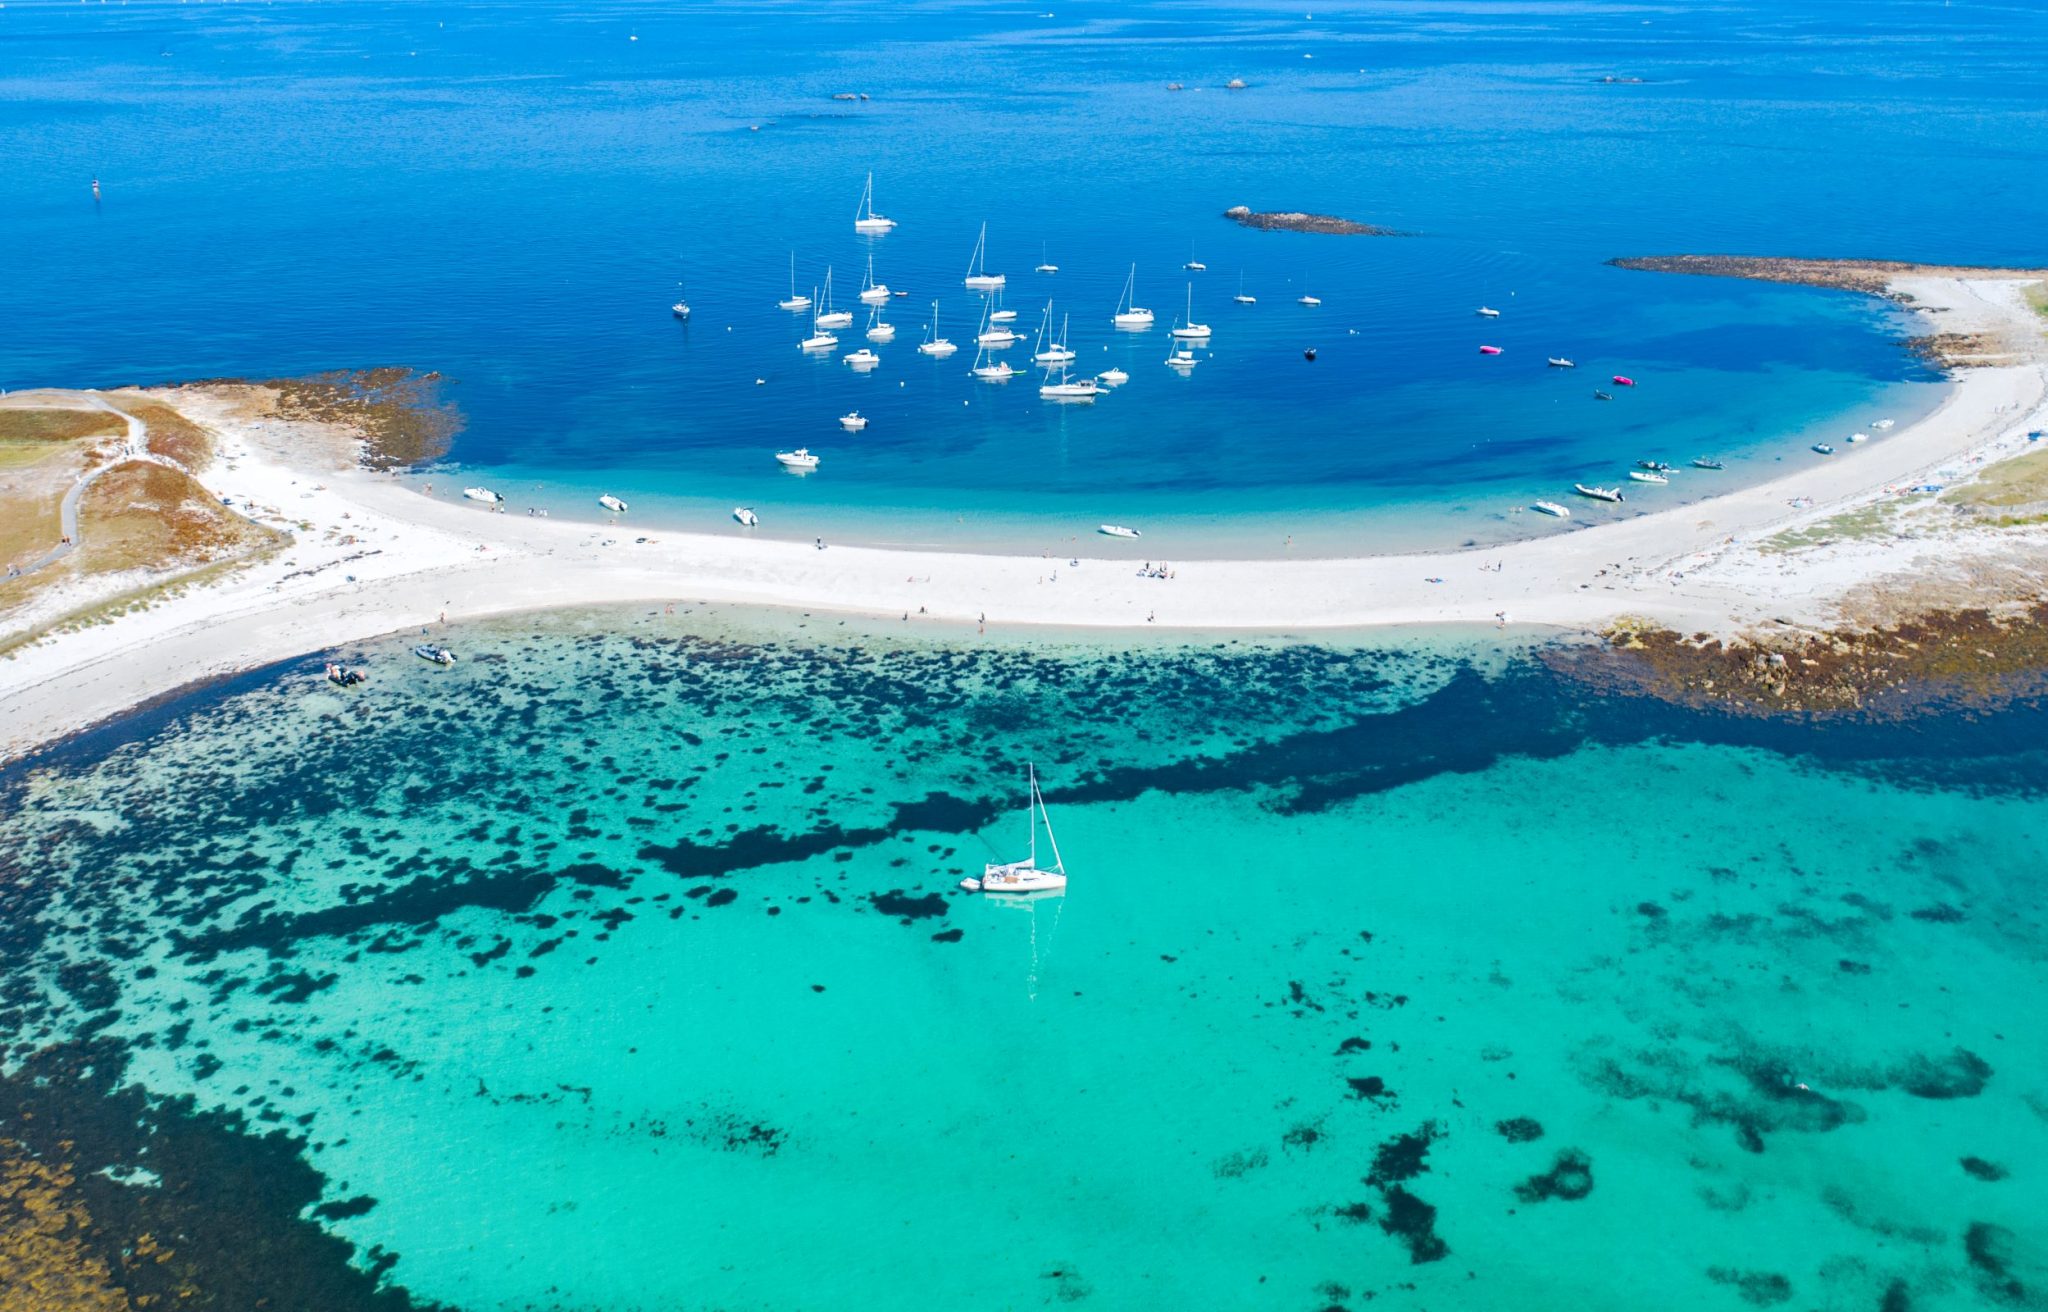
{"x":369,"y":556}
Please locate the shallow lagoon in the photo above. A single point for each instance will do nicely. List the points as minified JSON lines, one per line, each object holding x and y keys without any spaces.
{"x":622,"y":966}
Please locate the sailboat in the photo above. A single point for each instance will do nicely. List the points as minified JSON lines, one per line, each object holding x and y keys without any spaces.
{"x":1070,"y":389}
{"x":819,"y":340}
{"x":995,"y":332}
{"x":1057,"y":351}
{"x":831,"y":318}
{"x":877,"y":330}
{"x":998,"y":314}
{"x":1025,"y":876}
{"x":978,"y":277}
{"x":1128,"y":313}
{"x":1191,"y":330}
{"x":1180,"y":356}
{"x":864,"y":217}
{"x":1045,"y":265}
{"x":872,"y":292}
{"x":933,"y":344}
{"x":681,"y":309}
{"x":1194,"y":265}
{"x":1241,"y":298}
{"x":991,"y":371}
{"x":795,"y":302}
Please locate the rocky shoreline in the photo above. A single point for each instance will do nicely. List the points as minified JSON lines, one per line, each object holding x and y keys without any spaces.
{"x":1872,"y":277}
{"x":1297,"y":221}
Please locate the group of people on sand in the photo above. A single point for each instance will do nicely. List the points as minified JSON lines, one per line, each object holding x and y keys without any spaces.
{"x":1160,"y":571}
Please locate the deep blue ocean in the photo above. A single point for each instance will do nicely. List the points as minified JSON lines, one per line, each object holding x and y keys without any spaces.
{"x":510,"y":195}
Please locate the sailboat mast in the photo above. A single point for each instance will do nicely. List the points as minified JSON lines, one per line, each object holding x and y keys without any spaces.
{"x":1030,"y":814}
{"x":1058,"y":865}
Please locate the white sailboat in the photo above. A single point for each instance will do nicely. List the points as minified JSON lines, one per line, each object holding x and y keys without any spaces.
{"x":819,"y":340}
{"x":1181,"y":357}
{"x":933,"y":344}
{"x":829,"y":317}
{"x":1194,"y":265}
{"x":1129,"y":314}
{"x":998,"y":313}
{"x":877,"y":330}
{"x":987,"y":370}
{"x":872,"y":292}
{"x":681,"y":309}
{"x":1241,"y":298}
{"x":978,"y":277}
{"x":1045,"y":265}
{"x":993,"y":333}
{"x":864,"y":217}
{"x":1071,"y":389}
{"x":1191,"y":331}
{"x":795,"y":302}
{"x":1057,"y":351}
{"x":1025,"y":876}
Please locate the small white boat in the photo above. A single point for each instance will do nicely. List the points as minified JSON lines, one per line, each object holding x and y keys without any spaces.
{"x":1112,"y":377}
{"x":1823,"y":448}
{"x":1883,"y":424}
{"x":1191,"y":331}
{"x":746,"y":516}
{"x":1552,"y":509}
{"x":1182,"y":357}
{"x":612,"y":503}
{"x":1241,"y":298}
{"x":1117,"y":531}
{"x":681,"y":309}
{"x":1045,"y":265}
{"x":1025,"y":876}
{"x":795,"y":302}
{"x":1559,"y":362}
{"x":1070,"y":389}
{"x":861,"y":359}
{"x":997,"y":335}
{"x":854,"y":422}
{"x":819,"y":340}
{"x":801,"y":458}
{"x":1056,"y":351}
{"x":1859,"y":437}
{"x":978,"y":277}
{"x":1130,"y":315}
{"x":438,"y":655}
{"x":1647,"y":476}
{"x":829,"y":317}
{"x":933,"y":344}
{"x":864,"y":217}
{"x":1487,"y":313}
{"x":984,"y":368}
{"x":872,"y":292}
{"x":998,"y":313}
{"x":1195,"y":266}
{"x":1598,"y":493}
{"x":1308,"y":300}
{"x":482,"y":494}
{"x":879,"y":331}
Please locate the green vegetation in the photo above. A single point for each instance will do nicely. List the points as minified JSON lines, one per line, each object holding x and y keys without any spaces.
{"x":1860,"y":524}
{"x":2021,"y":481}
{"x":57,"y":425}
{"x":2037,"y":296}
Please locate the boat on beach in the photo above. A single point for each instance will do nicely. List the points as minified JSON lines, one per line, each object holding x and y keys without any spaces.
{"x":864,"y":217}
{"x":978,"y":277}
{"x":800,"y":459}
{"x":1598,"y":493}
{"x":1551,"y":508}
{"x":438,"y":655}
{"x":746,"y":516}
{"x":1025,"y":876}
{"x":612,"y":503}
{"x":482,"y":494}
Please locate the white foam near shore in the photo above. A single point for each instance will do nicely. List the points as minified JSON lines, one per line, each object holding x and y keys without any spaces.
{"x":372,"y":556}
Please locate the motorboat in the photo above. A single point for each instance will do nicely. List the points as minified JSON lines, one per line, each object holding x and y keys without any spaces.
{"x":438,"y":655}
{"x":829,"y":317}
{"x":1129,"y":314}
{"x":1191,"y":331}
{"x":1552,"y":509}
{"x":861,"y":359}
{"x":1068,"y":389}
{"x":1309,"y":354}
{"x":978,"y":277}
{"x":1654,"y":466}
{"x":746,"y":516}
{"x":1859,"y":437}
{"x":1623,"y":380}
{"x":1599,"y":395}
{"x":872,"y":292}
{"x":1599,"y":493}
{"x":1883,"y":424}
{"x":1025,"y":876}
{"x":1308,"y":300}
{"x":1705,"y":463}
{"x":1056,"y":351}
{"x":795,"y":302}
{"x":1823,"y":448}
{"x":612,"y":503}
{"x":1560,"y":362}
{"x":933,"y":344}
{"x":1112,"y":377}
{"x":1648,"y":476}
{"x":1487,"y":312}
{"x":854,"y":422}
{"x":1489,"y":350}
{"x":482,"y":494}
{"x":1117,"y":531}
{"x":864,"y":217}
{"x":801,"y":458}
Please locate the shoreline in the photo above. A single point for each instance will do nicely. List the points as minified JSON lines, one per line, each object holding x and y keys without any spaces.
{"x":369,"y":556}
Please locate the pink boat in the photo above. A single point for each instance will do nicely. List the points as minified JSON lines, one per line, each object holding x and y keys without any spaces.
{"x":1489,"y":350}
{"x":1623,"y":380}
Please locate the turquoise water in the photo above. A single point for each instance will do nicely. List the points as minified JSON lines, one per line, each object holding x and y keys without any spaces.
{"x":623,"y":966}
{"x":510,"y":194}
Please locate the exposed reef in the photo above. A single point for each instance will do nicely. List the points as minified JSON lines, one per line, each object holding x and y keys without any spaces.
{"x":1298,"y":221}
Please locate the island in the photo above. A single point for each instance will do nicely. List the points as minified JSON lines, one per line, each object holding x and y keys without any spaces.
{"x":1297,"y":221}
